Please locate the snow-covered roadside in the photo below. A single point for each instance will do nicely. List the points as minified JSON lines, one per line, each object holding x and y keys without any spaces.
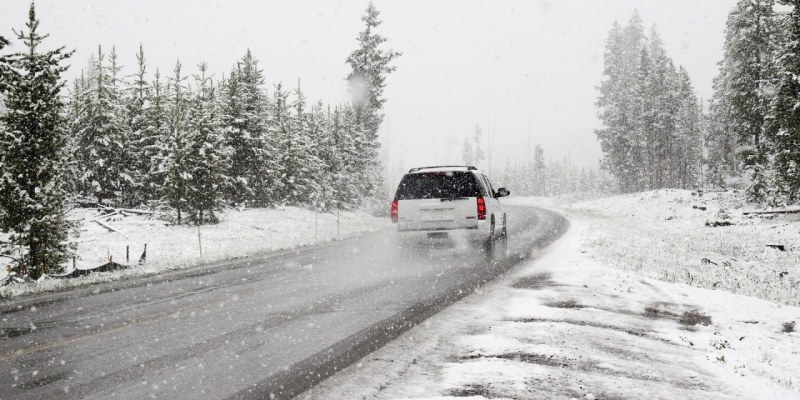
{"x":241,"y":233}
{"x":566,"y":326}
{"x":663,"y":234}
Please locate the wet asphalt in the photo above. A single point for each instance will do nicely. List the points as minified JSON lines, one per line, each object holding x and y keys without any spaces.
{"x":268,"y":326}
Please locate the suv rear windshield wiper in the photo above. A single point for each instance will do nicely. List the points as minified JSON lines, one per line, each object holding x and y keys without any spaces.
{"x":453,"y":198}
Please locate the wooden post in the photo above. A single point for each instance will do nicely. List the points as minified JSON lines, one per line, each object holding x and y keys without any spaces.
{"x":337,"y":221}
{"x":316,"y":223}
{"x":199,"y":242}
{"x":127,"y":254}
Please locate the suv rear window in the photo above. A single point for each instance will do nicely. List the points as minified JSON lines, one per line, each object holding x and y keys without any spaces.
{"x":437,"y":185}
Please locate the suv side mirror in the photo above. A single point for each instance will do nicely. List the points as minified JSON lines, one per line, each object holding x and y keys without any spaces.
{"x":502,"y":192}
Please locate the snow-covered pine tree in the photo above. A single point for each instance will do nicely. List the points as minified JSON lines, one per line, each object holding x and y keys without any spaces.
{"x":138,"y":142}
{"x":33,"y":140}
{"x":281,"y":126}
{"x":244,"y":119}
{"x":370,"y":65}
{"x":688,"y":145}
{"x":353,"y":183}
{"x":720,"y":141}
{"x":344,"y":153}
{"x":125,"y":158}
{"x":174,"y":155}
{"x":298,"y":158}
{"x":639,"y":157}
{"x":208,"y":156}
{"x":77,"y":105}
{"x":102,"y":141}
{"x":616,"y":102}
{"x":322,"y":149}
{"x":749,"y":64}
{"x":786,"y":110}
{"x":661,"y":139}
{"x":154,"y":133}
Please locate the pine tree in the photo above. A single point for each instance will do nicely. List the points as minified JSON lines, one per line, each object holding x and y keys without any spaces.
{"x":748,"y":64}
{"x":244,"y":111}
{"x":324,"y":149}
{"x":154,"y":133}
{"x":139,"y":142}
{"x":102,"y":131}
{"x":208,"y":156}
{"x":367,"y":80}
{"x":33,"y":140}
{"x":786,"y":110}
{"x":688,"y":145}
{"x":723,"y":162}
{"x":175,"y":164}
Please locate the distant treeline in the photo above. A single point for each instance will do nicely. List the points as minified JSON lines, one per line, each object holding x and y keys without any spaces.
{"x":540,"y":177}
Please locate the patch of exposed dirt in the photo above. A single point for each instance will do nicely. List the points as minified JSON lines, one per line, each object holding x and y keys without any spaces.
{"x":688,"y":318}
{"x":534,"y":282}
{"x":564,"y":304}
{"x":471,"y":391}
{"x":694,"y":317}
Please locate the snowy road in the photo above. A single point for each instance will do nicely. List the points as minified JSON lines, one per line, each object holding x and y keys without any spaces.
{"x":248,"y":328}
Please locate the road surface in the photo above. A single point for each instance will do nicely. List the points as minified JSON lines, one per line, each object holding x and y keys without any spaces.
{"x":271,"y":325}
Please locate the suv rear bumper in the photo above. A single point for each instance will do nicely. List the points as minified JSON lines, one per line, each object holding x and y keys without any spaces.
{"x":475,"y":233}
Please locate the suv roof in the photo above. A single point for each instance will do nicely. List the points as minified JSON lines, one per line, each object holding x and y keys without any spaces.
{"x":444,"y":168}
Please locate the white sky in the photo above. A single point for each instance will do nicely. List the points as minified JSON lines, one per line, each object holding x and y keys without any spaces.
{"x":528,"y":68}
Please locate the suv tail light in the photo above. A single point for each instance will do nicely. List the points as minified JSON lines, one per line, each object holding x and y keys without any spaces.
{"x":481,"y":208}
{"x":394,"y":211}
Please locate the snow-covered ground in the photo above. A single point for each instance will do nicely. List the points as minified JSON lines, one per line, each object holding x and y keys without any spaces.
{"x":240,"y":233}
{"x":664,"y":235}
{"x":579,"y":323}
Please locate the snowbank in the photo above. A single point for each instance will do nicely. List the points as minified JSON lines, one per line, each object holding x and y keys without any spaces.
{"x":240,"y":233}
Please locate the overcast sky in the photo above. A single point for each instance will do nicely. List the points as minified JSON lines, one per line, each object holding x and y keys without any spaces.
{"x":527,"y":69}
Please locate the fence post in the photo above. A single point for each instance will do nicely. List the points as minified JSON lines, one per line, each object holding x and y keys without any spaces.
{"x":199,"y":241}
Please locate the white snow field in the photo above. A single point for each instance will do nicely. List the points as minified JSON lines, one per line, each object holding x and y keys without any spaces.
{"x":577,"y":322}
{"x":663,"y":235}
{"x":240,"y":233}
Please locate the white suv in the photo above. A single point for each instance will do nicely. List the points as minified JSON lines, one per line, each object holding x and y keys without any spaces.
{"x":450,"y":202}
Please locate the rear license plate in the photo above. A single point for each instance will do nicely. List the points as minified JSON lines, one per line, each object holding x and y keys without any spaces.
{"x":437,"y":235}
